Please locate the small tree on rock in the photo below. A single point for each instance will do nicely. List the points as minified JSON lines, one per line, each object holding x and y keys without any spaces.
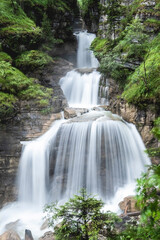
{"x":81,"y":218}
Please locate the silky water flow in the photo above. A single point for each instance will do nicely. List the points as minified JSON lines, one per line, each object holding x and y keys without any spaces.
{"x":98,"y":151}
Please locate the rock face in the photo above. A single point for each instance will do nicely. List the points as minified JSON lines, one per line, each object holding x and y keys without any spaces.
{"x":48,"y":236}
{"x":28,"y":124}
{"x":28,"y":235}
{"x":143,"y":119}
{"x":10,"y":235}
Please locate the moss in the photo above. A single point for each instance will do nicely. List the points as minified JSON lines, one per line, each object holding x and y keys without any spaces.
{"x":7,"y":105}
{"x":14,"y":82}
{"x":33,"y":59}
{"x":5,"y":57}
{"x":16,"y":28}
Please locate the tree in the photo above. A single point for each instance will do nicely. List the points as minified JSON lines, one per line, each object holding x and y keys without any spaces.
{"x":134,"y":44}
{"x":81,"y":218}
{"x":114,"y":12}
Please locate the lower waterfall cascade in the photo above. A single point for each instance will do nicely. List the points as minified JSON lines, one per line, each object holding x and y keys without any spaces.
{"x":97,"y":150}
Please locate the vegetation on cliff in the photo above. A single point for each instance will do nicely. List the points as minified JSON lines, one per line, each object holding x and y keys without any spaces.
{"x":129,"y":50}
{"x":25,"y":27}
{"x":31,"y":60}
{"x":90,"y":12}
{"x":15,"y":87}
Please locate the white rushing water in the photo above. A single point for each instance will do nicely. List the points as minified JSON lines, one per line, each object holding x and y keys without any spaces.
{"x":98,"y":151}
{"x":81,"y":86}
{"x":81,"y":90}
{"x":85,"y":57}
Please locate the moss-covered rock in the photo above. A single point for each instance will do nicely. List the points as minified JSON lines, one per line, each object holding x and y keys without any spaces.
{"x":31,"y":60}
{"x":5,"y":57}
{"x":15,"y":86}
{"x":17,"y":31}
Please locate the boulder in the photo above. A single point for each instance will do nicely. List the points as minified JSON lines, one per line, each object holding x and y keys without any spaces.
{"x":28,"y":235}
{"x":74,"y":112}
{"x":44,"y":225}
{"x":10,"y":235}
{"x":69,"y":113}
{"x":128,"y":205}
{"x":48,"y":236}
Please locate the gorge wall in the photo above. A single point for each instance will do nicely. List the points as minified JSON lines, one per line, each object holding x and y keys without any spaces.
{"x":28,"y":124}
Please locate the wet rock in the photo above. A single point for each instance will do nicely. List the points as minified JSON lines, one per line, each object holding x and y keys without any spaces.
{"x":69,"y":113}
{"x":48,"y":236}
{"x":74,"y":112}
{"x":85,"y":70}
{"x":44,"y":225}
{"x":128,"y":205}
{"x":10,"y":235}
{"x":12,"y":225}
{"x":28,"y":235}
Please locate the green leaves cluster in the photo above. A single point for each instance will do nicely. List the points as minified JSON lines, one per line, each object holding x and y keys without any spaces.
{"x":148,"y":198}
{"x":81,"y":218}
{"x":84,"y":5}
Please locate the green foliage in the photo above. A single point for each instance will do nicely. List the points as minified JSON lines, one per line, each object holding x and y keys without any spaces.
{"x":148,"y":199}
{"x":99,"y":45}
{"x":81,"y":218}
{"x":30,"y":60}
{"x":113,"y":11}
{"x":112,"y":66}
{"x":135,"y":42}
{"x":155,"y":152}
{"x":156,"y":129}
{"x":46,"y":26}
{"x":16,"y":86}
{"x":17,"y":28}
{"x":84,"y":5}
{"x":144,"y":84}
{"x":5,"y":57}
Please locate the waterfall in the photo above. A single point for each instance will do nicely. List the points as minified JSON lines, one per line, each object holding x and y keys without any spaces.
{"x":85,"y":57}
{"x":81,"y":90}
{"x":101,"y":155}
{"x":81,"y":86}
{"x":98,"y":151}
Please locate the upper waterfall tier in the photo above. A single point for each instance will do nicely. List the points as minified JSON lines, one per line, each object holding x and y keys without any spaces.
{"x":81,"y":90}
{"x":85,"y":57}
